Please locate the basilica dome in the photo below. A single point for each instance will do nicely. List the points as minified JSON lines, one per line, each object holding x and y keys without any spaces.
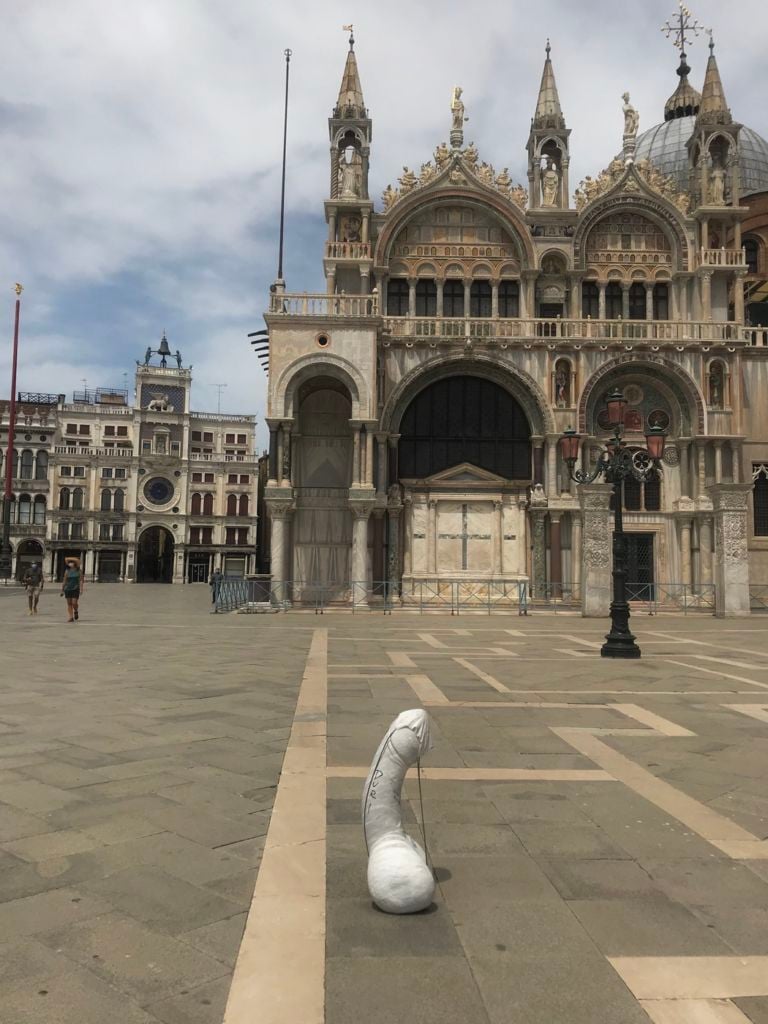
{"x":664,"y":146}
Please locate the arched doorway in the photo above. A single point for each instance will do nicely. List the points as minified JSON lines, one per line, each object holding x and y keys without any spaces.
{"x":464,"y":464}
{"x":28,"y":551}
{"x":154,"y":562}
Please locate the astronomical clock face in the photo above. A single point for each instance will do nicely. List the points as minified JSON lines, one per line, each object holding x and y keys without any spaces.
{"x":158,"y":490}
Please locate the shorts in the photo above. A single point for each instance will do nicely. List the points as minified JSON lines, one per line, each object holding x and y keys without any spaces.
{"x":71,"y":593}
{"x":34,"y":592}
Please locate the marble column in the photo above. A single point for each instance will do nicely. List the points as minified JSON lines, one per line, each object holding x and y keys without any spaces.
{"x":575,"y":548}
{"x":705,"y":549}
{"x":625,"y":302}
{"x":553,"y":484}
{"x":393,"y":469}
{"x":285,"y":460}
{"x":539,"y":554}
{"x":706,"y":296}
{"x":377,"y":569}
{"x":495,"y":300}
{"x":393,"y":549}
{"x":432,"y":536}
{"x":685,"y":552}
{"x":273,"y":428}
{"x":601,"y":301}
{"x":368,"y":479}
{"x":407,"y":536}
{"x":538,"y":459}
{"x":648,"y":301}
{"x":467,"y":298}
{"x":595,"y":549}
{"x":381,"y":467}
{"x":701,"y":457}
{"x":718,"y":462}
{"x":278,"y":515}
{"x":736,"y":461}
{"x":498,"y":537}
{"x":355,"y":453}
{"x":685,"y":469}
{"x":411,"y":296}
{"x":555,"y":555}
{"x":361,"y":514}
{"x":738,"y":298}
{"x":730,"y":502}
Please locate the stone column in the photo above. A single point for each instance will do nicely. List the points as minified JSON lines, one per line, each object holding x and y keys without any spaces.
{"x":411,"y":297}
{"x":377,"y":569}
{"x":738,"y":298}
{"x":553,"y":484}
{"x":539,"y":554}
{"x":393,"y":548}
{"x":648,"y":300}
{"x":718,"y":462}
{"x":381,"y":467}
{"x":498,"y":537}
{"x":575,"y":548}
{"x":601,"y":301}
{"x":368,"y":479}
{"x":625,"y":302}
{"x":278,"y":514}
{"x":495,"y":300}
{"x":355,"y":452}
{"x":555,"y":555}
{"x":685,"y":469}
{"x":432,"y":536}
{"x":538,"y":459}
{"x":736,"y":461}
{"x":331,"y":279}
{"x":285,"y":460}
{"x":361,"y":512}
{"x":730,"y":503}
{"x":595,"y":549}
{"x":393,"y":470}
{"x":705,"y":549}
{"x":701,"y":456}
{"x":407,"y":536}
{"x":273,"y":429}
{"x":706,"y":296}
{"x":467,"y":299}
{"x":575,"y":305}
{"x":685,"y":552}
{"x":439,"y":299}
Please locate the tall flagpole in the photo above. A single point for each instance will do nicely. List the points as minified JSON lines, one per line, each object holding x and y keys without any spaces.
{"x":282,"y":189}
{"x":5,"y":549}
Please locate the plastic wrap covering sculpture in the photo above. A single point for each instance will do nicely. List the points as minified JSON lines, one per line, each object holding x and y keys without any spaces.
{"x":399,"y":879}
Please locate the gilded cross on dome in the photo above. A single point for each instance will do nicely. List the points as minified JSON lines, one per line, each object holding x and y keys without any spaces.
{"x":681,"y":25}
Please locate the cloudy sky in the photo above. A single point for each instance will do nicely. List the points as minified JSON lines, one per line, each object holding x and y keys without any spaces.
{"x":139,"y":179}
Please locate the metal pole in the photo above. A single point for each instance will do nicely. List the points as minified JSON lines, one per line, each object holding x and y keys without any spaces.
{"x":5,"y":550}
{"x":282,"y":188}
{"x":619,"y":643}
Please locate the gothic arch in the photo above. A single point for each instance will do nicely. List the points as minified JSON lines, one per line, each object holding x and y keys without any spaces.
{"x":284,"y":398}
{"x":663,"y":372}
{"x":656,"y":209}
{"x":509,"y":216}
{"x":560,"y":254}
{"x":517,"y":382}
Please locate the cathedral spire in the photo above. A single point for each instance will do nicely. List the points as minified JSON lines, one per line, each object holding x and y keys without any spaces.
{"x":548,"y":112}
{"x":713,"y":109}
{"x":350,"y":103}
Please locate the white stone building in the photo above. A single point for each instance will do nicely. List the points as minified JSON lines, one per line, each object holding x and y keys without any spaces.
{"x":415,"y":407}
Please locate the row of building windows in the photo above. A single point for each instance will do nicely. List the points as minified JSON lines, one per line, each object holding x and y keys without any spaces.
{"x":28,"y":509}
{"x":232,"y":478}
{"x":206,"y":437}
{"x":202,"y":504}
{"x":29,"y":465}
{"x":234,"y":535}
{"x":640,"y":302}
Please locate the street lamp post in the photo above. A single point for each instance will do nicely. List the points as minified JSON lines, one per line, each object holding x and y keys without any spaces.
{"x":617,"y":464}
{"x":6,"y":555}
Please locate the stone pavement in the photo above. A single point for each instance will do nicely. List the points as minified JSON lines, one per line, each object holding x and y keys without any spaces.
{"x":599,"y":829}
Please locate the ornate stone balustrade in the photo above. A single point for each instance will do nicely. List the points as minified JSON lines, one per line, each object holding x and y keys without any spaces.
{"x":323,"y":305}
{"x":123,"y":453}
{"x":722,"y":258}
{"x":577,"y":331}
{"x":348,"y":250}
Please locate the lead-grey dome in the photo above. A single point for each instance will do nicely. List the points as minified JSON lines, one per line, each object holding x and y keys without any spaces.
{"x":664,"y":146}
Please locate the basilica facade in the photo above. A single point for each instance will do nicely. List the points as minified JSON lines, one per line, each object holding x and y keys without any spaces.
{"x":415,"y":407}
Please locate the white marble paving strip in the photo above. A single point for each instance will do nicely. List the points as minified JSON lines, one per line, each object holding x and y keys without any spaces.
{"x":729,"y":661}
{"x":693,"y":977}
{"x":286,"y":922}
{"x":482,"y":675}
{"x":693,"y":1011}
{"x":426,"y":690}
{"x":654,"y":721}
{"x":758,"y":711}
{"x":401,"y":660}
{"x":717,"y":672}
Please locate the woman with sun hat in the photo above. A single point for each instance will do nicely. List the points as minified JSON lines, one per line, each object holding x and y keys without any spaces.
{"x":72,"y":587}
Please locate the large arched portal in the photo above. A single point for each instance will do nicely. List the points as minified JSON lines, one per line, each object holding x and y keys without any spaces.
{"x":154,"y":562}
{"x":28,"y":553}
{"x":465,"y":466}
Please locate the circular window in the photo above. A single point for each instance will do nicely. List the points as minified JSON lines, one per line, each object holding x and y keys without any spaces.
{"x":43,"y":437}
{"x":158,"y":490}
{"x":323,"y":340}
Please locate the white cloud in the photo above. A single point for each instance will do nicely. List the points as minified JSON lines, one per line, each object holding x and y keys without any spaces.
{"x":142,"y":145}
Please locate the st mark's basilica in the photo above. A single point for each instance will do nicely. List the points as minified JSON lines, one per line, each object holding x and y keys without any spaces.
{"x":415,"y":407}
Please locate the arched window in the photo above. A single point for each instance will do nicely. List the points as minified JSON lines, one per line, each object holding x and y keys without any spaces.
{"x":77,"y":498}
{"x":243,"y":505}
{"x":39,"y":510}
{"x":562,"y":384}
{"x":652,"y":492}
{"x":208,"y":505}
{"x":453,"y":298}
{"x":661,"y":302}
{"x":231,"y":504}
{"x":760,"y":499}
{"x":613,"y":301}
{"x":25,"y":508}
{"x":509,"y":299}
{"x":637,"y":301}
{"x":195,"y":507}
{"x":27,"y":464}
{"x":716,"y":384}
{"x":397,"y":297}
{"x":106,"y":500}
{"x":426,"y":298}
{"x":41,"y":466}
{"x":480,"y":298}
{"x":64,"y":498}
{"x":590,"y":300}
{"x":632,"y":495}
{"x":118,"y":503}
{"x":752,"y":253}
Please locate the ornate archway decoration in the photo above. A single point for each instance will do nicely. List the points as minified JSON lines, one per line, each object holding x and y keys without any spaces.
{"x":659,"y":367}
{"x":283,"y":403}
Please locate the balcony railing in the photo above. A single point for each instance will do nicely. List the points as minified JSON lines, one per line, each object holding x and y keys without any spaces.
{"x":528,"y":330}
{"x":213,"y":457}
{"x":322,"y":304}
{"x":123,"y":453}
{"x":722,"y":258}
{"x":757,"y":336}
{"x":348,"y":250}
{"x":28,"y":529}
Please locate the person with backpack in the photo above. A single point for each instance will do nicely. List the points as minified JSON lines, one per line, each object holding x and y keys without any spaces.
{"x":72,"y":587}
{"x":33,"y":584}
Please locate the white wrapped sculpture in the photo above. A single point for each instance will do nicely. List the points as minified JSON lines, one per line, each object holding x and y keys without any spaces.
{"x":399,"y":879}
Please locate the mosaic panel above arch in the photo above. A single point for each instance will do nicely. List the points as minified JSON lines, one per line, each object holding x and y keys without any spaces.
{"x":625,"y":240}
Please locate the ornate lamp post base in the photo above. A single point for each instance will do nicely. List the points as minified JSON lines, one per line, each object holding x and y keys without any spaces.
{"x":619,"y":643}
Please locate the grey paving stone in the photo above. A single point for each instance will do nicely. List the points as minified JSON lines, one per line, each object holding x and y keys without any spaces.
{"x":163,"y":901}
{"x":202,"y":1005}
{"x":598,"y":879}
{"x":51,"y":844}
{"x":46,"y":910}
{"x":756,"y":1008}
{"x":550,"y":840}
{"x":654,"y":926}
{"x":356,"y":928}
{"x":220,"y":939}
{"x":381,"y":990}
{"x":702,"y":882}
{"x":134,"y":958}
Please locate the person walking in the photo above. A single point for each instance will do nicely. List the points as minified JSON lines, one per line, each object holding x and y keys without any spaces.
{"x":33,"y":584}
{"x":72,"y":587}
{"x":215,"y":584}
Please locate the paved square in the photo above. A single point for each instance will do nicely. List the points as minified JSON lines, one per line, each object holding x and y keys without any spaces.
{"x":599,"y":829}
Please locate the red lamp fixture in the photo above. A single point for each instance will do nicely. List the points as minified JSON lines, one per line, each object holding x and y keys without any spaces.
{"x":616,"y":403}
{"x":569,"y":446}
{"x":655,"y":439}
